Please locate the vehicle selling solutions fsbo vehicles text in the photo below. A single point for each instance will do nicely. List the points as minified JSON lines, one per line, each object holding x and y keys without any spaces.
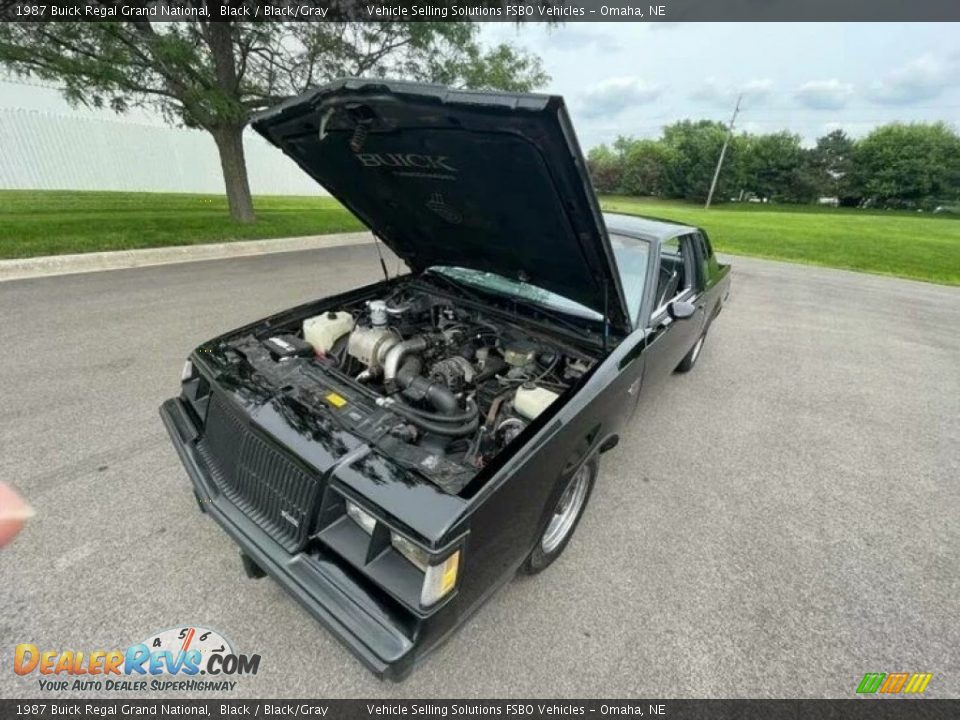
{"x":474,"y":11}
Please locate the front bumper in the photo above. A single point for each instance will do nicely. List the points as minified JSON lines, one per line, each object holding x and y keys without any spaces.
{"x":346,"y":608}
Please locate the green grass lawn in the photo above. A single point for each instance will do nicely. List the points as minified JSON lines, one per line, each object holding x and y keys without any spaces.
{"x":922,"y":247}
{"x":54,"y":222}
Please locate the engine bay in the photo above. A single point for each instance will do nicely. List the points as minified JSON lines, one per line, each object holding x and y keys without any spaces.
{"x":438,"y":385}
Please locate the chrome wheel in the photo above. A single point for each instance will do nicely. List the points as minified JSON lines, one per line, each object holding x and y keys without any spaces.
{"x":567,"y":510}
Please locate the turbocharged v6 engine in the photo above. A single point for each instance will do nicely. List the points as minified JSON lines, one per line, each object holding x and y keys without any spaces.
{"x":460,"y":383}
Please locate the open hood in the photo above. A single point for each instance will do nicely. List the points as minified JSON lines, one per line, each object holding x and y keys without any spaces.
{"x":484,"y":180}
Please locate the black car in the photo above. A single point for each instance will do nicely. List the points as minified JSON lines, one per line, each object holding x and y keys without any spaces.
{"x":394,"y":454}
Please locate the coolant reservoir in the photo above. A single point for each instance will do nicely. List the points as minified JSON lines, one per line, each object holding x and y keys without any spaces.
{"x":531,"y":400}
{"x":322,"y":331}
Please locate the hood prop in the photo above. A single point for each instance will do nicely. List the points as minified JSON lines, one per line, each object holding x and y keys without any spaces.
{"x":606,"y":314}
{"x":383,"y":264}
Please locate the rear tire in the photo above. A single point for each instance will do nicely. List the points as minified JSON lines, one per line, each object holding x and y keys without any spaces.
{"x":564,"y":519}
{"x":690,"y":359}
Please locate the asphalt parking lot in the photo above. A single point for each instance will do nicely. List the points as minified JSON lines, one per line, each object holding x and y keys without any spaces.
{"x":775,"y":524}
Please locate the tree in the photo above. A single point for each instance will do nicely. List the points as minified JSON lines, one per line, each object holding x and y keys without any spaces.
{"x":606,"y":169}
{"x":897,"y":165}
{"x":630,"y":167}
{"x":832,"y":163}
{"x":776,"y":167}
{"x":914,"y":165}
{"x":694,"y":148}
{"x":645,"y":164}
{"x":215,"y":75}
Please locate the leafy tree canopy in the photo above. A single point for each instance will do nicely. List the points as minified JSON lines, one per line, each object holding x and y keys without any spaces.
{"x":916,"y":165}
{"x":912,"y":165}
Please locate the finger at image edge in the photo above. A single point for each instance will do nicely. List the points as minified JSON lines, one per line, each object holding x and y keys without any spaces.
{"x":14,"y":512}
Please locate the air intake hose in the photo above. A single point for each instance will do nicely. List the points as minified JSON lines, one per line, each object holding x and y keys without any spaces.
{"x":449,"y":421}
{"x":395,"y":357}
{"x":417,"y":387}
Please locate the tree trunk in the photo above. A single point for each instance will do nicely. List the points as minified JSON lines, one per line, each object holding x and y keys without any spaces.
{"x":230,"y":146}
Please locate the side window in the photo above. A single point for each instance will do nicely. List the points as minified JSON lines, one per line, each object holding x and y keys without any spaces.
{"x":705,"y":242}
{"x":705,"y":258}
{"x":676,"y":270}
{"x":702,"y":257}
{"x":632,"y":255}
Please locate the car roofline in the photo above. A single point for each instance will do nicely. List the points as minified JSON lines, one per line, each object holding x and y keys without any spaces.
{"x":653,"y":229}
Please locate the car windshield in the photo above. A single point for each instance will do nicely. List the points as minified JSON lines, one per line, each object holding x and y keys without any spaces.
{"x":525,"y":291}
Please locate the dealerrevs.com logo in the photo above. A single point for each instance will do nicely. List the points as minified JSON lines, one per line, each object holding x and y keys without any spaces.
{"x":169,"y":660}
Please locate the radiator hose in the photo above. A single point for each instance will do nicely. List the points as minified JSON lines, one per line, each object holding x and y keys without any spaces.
{"x":434,"y":426}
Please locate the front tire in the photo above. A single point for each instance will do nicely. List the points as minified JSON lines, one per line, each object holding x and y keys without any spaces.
{"x":564,"y":519}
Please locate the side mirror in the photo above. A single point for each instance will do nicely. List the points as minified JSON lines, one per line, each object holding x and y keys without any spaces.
{"x":681,"y":310}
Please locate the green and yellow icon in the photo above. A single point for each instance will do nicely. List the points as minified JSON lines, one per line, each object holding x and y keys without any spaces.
{"x":893,"y":683}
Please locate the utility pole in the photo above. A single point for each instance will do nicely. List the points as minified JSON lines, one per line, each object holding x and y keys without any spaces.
{"x":723,"y":152}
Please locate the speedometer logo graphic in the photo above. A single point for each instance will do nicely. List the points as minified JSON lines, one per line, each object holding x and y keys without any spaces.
{"x":190,"y":638}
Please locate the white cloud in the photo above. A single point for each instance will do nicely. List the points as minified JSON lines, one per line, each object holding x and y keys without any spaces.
{"x":709,"y":91}
{"x":756,"y":89}
{"x":576,"y":38}
{"x":720,"y":94}
{"x":614,"y":95}
{"x":786,"y":55}
{"x":824,"y":94}
{"x":923,"y":78}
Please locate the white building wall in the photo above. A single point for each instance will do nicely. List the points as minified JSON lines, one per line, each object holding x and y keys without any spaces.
{"x":52,"y":151}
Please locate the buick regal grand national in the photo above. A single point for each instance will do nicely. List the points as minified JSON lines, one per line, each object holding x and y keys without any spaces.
{"x":393,"y":454}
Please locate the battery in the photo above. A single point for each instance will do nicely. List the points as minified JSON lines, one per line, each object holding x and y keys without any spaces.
{"x":284,"y":347}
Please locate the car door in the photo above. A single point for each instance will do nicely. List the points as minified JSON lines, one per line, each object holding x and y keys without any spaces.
{"x":678,"y":279}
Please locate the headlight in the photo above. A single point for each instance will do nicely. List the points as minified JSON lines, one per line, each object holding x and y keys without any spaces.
{"x":187,"y":372}
{"x":438,"y":579}
{"x":415,"y":554}
{"x":361,"y":517}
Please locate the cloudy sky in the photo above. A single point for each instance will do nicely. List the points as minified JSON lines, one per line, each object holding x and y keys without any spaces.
{"x":633,"y":78}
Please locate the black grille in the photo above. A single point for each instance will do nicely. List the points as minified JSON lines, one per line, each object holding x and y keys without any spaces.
{"x":259,"y":478}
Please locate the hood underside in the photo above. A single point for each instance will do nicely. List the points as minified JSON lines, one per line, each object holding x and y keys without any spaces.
{"x":483,"y":180}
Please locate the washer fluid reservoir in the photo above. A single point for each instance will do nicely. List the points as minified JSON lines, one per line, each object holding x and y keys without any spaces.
{"x":322,"y":331}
